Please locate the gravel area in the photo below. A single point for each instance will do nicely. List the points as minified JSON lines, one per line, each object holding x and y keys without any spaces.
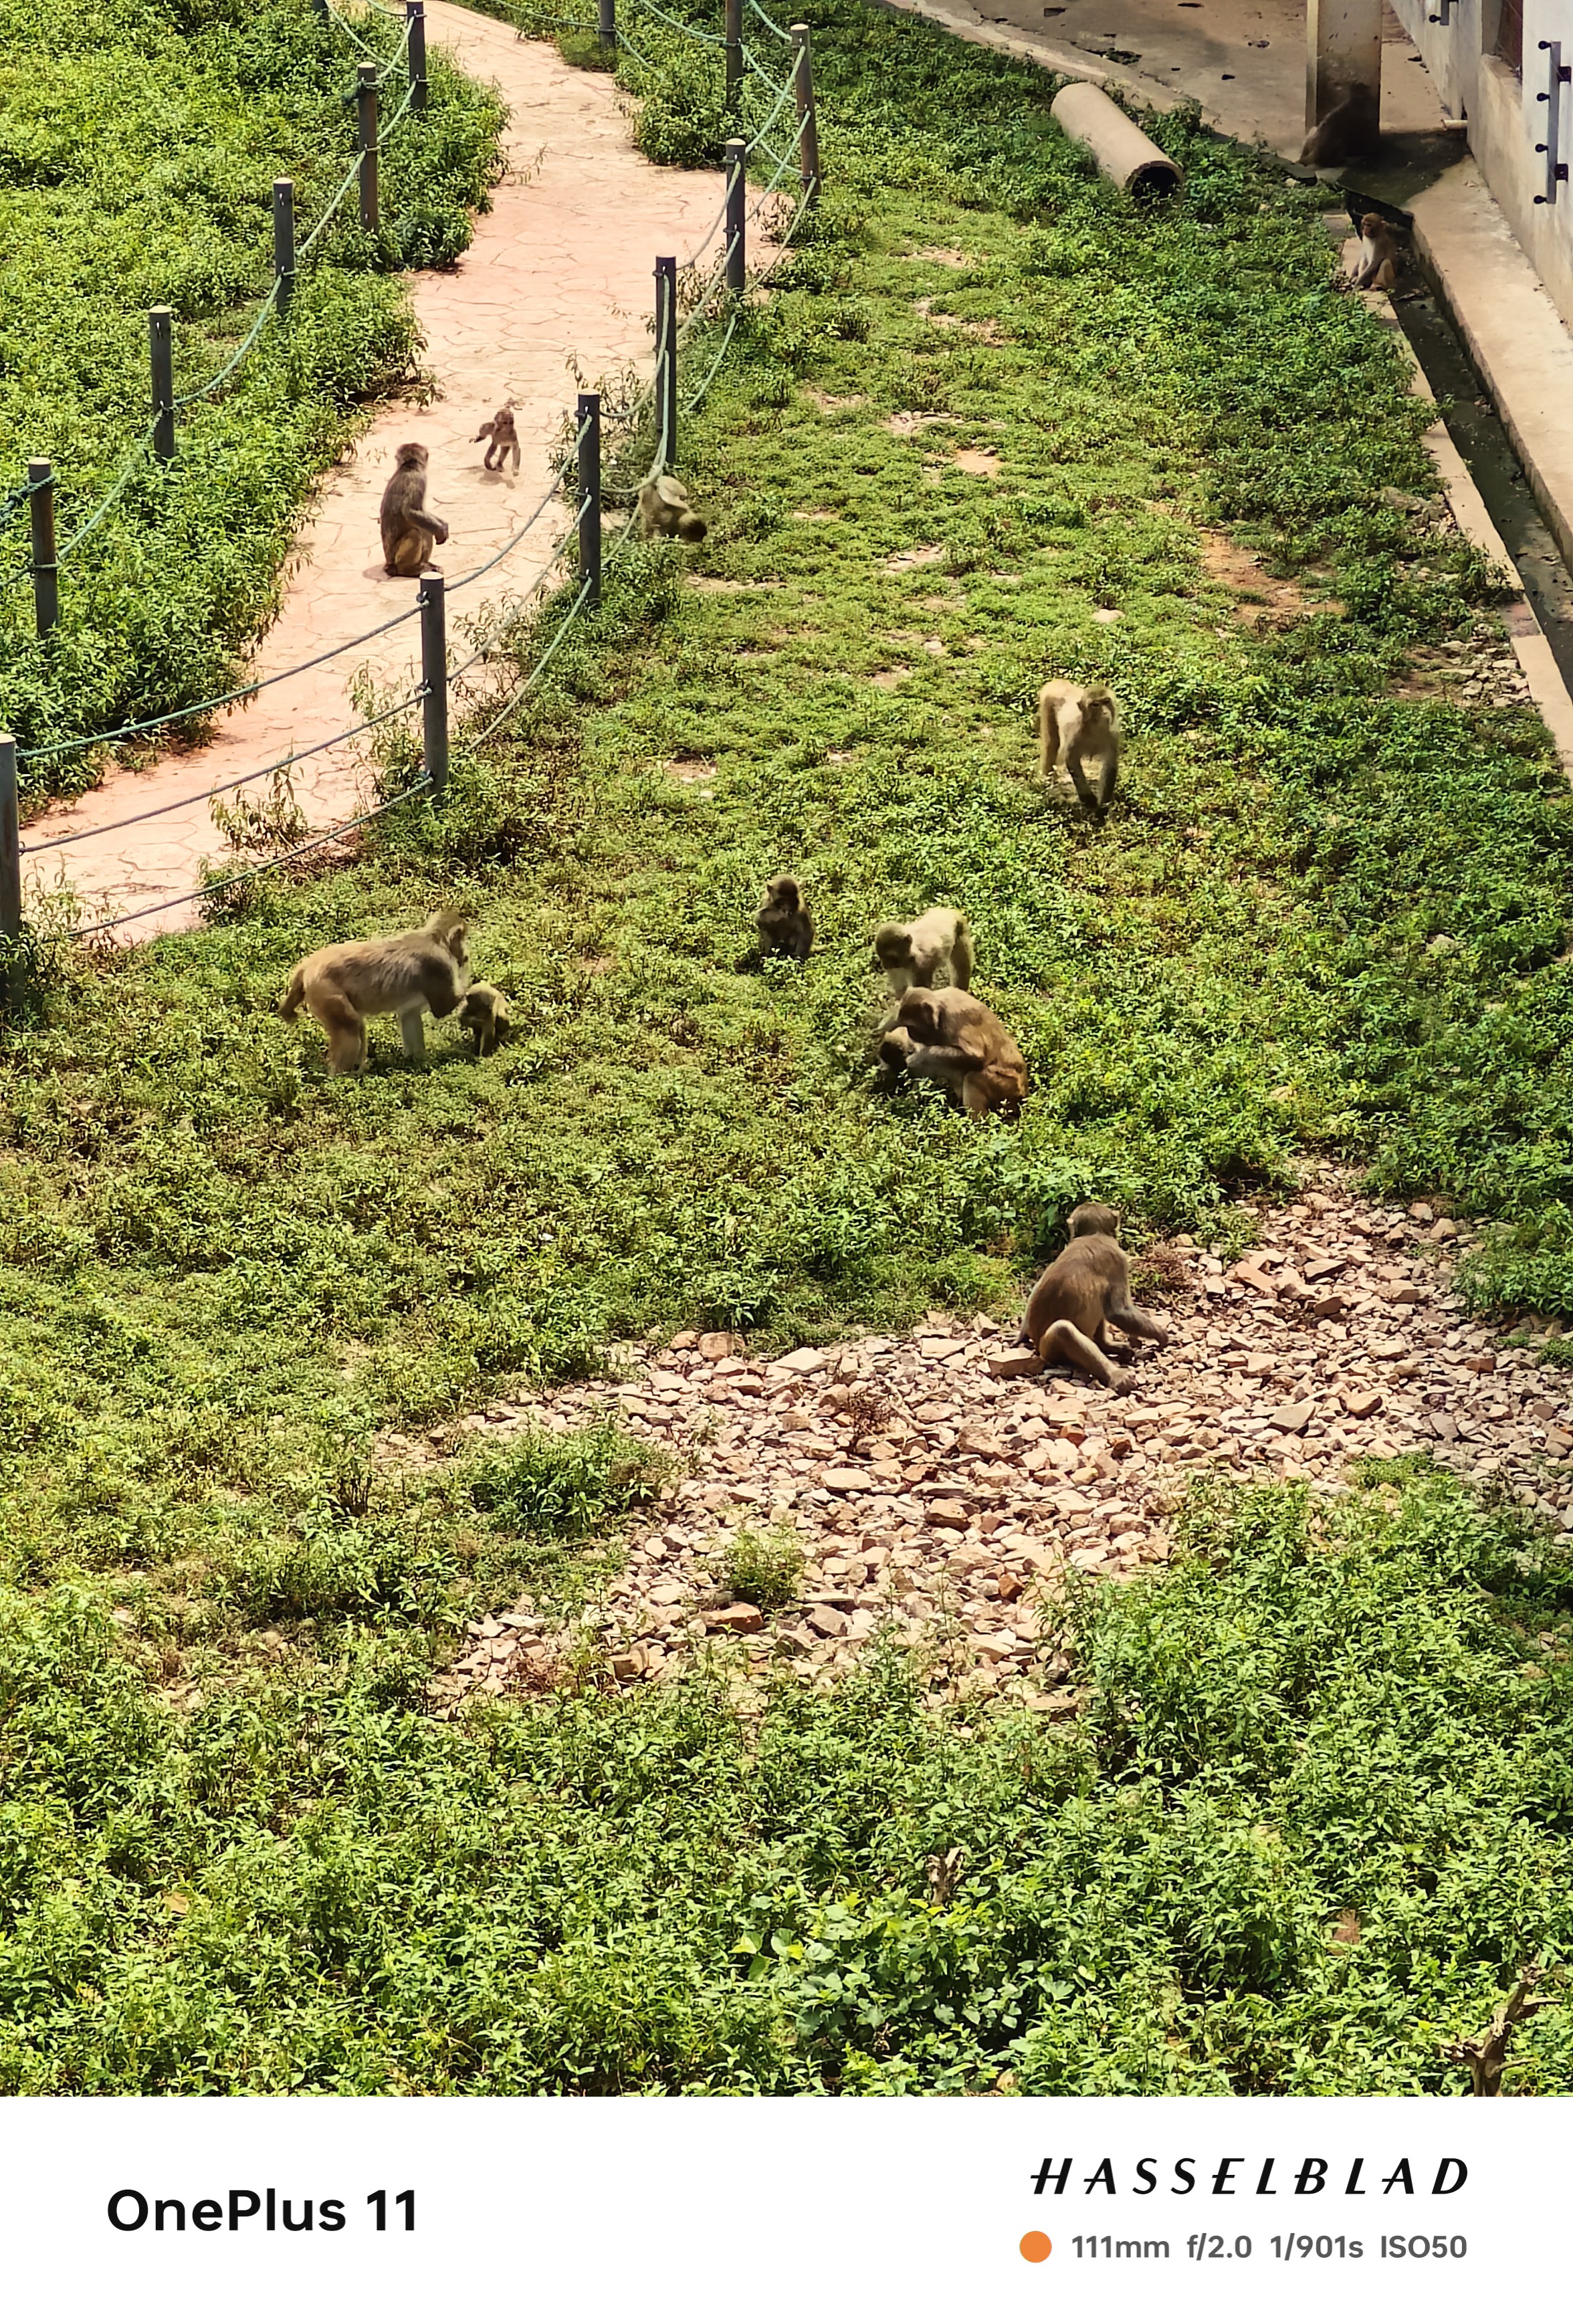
{"x":928,"y":1494}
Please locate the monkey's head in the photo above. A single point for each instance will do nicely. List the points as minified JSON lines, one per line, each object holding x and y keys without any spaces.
{"x":450,"y":929}
{"x":1371,"y":225}
{"x":782,"y":891}
{"x":1093,"y":1218}
{"x":410,"y":455}
{"x":892,"y":946}
{"x":920,"y":1014}
{"x":692,"y":528}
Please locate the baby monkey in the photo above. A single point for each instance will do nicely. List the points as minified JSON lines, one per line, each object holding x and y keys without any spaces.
{"x":913,"y":952}
{"x":664,"y":512}
{"x":505,"y":438}
{"x":400,"y":976}
{"x":1379,"y":260}
{"x":1077,"y":724}
{"x":783,"y":920}
{"x":1088,"y":1288}
{"x":483,"y":1012}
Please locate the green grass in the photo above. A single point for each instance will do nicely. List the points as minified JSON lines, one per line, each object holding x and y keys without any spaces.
{"x":139,"y":141}
{"x":240,"y":1854}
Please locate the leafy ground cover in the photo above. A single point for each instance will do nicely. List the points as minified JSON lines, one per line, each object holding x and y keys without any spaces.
{"x":139,"y":141}
{"x":1314,"y":1812}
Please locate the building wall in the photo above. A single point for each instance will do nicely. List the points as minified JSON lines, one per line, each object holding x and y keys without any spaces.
{"x":1505,"y":123}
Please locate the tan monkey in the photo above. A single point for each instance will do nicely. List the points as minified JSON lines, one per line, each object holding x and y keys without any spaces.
{"x":664,"y":512}
{"x":1088,"y":1288}
{"x":913,"y":952}
{"x":783,"y":920}
{"x":1346,"y":132}
{"x":1379,"y":261}
{"x":505,"y":438}
{"x":386,"y":976}
{"x":953,"y":1038}
{"x":1076,"y":724}
{"x":484,"y":1011}
{"x":410,"y":531}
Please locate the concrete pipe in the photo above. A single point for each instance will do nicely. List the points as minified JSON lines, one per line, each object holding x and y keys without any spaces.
{"x":1116,"y":143}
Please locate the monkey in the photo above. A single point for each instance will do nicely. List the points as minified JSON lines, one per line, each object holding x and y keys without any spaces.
{"x":505,"y":438}
{"x":664,"y":512}
{"x":408,"y":529}
{"x":953,"y":1038}
{"x":484,"y":1011}
{"x":1379,"y":259}
{"x":1348,"y":131}
{"x":913,"y":952}
{"x":1078,"y":722}
{"x":1088,"y":1288}
{"x":784,"y":921}
{"x":400,"y":976}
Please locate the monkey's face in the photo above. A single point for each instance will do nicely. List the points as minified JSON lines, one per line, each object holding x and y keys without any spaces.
{"x":1094,"y":1218}
{"x":892,"y":948}
{"x":781,"y":893}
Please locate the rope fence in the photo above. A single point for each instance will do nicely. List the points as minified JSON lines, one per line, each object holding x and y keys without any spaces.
{"x":433,"y":695}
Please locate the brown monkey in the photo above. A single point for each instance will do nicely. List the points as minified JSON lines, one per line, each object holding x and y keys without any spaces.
{"x":664,"y":512}
{"x":505,"y":438}
{"x":953,"y":1038}
{"x":409,"y":530}
{"x":399,"y":976}
{"x":913,"y":952}
{"x":1075,"y":724}
{"x":783,"y":920}
{"x":484,"y":1011}
{"x":1346,"y":132}
{"x":1379,"y":259}
{"x":1088,"y":1288}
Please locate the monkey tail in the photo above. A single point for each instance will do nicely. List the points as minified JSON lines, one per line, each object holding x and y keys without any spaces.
{"x":290,"y":1005}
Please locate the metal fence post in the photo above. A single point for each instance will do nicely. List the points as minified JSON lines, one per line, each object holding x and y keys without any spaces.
{"x":434,"y":680}
{"x":46,"y":572}
{"x":415,"y":16}
{"x":161,"y":348}
{"x":366,"y":107}
{"x":284,"y":242}
{"x":734,"y":57}
{"x":589,"y":482}
{"x":736,"y":212}
{"x":808,"y":119}
{"x":606,"y":22}
{"x":10,"y":854}
{"x":666,"y":359}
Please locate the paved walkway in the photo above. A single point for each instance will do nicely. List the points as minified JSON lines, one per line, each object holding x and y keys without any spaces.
{"x":561,"y":269}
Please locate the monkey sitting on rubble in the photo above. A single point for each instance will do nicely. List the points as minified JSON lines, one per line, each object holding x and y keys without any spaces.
{"x":1086,"y":1289}
{"x":783,"y":920}
{"x":664,"y":512}
{"x":410,"y":531}
{"x":400,"y":976}
{"x":953,"y":1038}
{"x":505,"y":438}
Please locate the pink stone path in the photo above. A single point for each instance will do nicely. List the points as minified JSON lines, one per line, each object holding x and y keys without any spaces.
{"x":562,"y":266}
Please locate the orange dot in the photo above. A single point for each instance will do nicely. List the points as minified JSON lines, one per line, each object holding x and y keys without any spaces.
{"x":1036,"y":2245}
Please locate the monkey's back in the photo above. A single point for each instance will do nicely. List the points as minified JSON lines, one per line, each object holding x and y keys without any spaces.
{"x":1073,"y":1287}
{"x":384,"y":974}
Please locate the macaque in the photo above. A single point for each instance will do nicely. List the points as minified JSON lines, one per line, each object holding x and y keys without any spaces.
{"x":505,"y":438}
{"x":664,"y":512}
{"x":1379,"y":259}
{"x":1088,"y":1288}
{"x":483,"y":1012}
{"x":954,"y":1040}
{"x":386,"y":976}
{"x":783,"y":920}
{"x":1076,"y":724}
{"x":410,"y":531}
{"x":1346,"y":132}
{"x":913,"y":952}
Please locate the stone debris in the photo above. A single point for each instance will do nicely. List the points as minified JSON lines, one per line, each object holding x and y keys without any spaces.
{"x":936,"y":1493}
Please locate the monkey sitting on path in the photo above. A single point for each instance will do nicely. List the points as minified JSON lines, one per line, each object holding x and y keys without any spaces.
{"x":483,"y":1012}
{"x":950,"y":1037}
{"x":913,"y":952}
{"x":398,"y":976}
{"x":410,"y":531}
{"x":1076,"y":724}
{"x":1379,"y":262}
{"x":664,"y":512}
{"x":783,"y":920}
{"x":1088,"y":1288}
{"x":505,"y":438}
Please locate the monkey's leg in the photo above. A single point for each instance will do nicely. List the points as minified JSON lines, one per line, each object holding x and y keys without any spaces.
{"x":1047,"y":742}
{"x":490,"y":462}
{"x":1108,"y":776}
{"x":1062,"y":1342}
{"x":515,"y":456}
{"x":1084,"y":789}
{"x":1137,"y":1325}
{"x":410,"y":554}
{"x":412,"y":1033}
